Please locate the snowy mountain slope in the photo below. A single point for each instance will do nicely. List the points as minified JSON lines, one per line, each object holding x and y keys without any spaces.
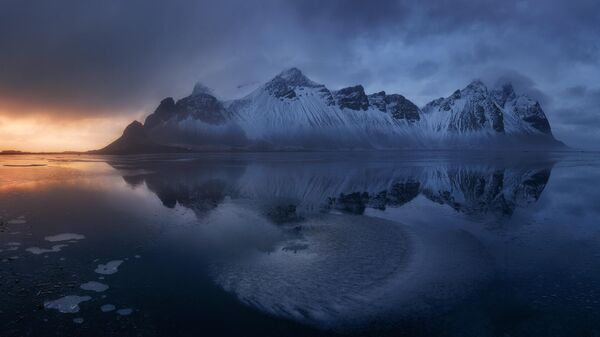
{"x":294,"y":112}
{"x":487,"y":115}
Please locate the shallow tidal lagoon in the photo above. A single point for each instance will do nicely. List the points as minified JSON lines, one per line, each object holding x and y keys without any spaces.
{"x":301,"y":244}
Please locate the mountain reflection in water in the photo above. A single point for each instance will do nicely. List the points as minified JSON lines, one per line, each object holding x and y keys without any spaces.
{"x":344,"y":185}
{"x":301,"y":244}
{"x":306,"y":253}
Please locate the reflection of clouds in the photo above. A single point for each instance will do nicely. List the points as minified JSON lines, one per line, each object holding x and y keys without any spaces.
{"x":239,"y":227}
{"x":340,"y":269}
{"x":330,"y":269}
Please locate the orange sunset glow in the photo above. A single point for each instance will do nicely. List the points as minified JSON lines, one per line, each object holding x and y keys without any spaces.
{"x":38,"y":133}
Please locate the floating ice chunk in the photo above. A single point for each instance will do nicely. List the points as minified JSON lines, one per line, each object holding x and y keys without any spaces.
{"x":107,"y":308}
{"x":38,"y":251}
{"x":125,"y":311}
{"x":109,"y":268}
{"x":78,"y":320}
{"x":13,"y":244}
{"x":137,"y":256}
{"x":64,"y":237}
{"x":94,"y":286}
{"x":68,"y":304}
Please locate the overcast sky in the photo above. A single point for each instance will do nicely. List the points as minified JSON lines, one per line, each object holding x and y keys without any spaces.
{"x":72,"y":63}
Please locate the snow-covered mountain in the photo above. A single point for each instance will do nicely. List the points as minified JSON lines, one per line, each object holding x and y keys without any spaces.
{"x":497,"y":115}
{"x":294,"y":112}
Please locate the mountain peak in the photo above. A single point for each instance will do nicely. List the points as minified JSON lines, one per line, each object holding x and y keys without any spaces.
{"x":477,"y":85}
{"x":200,"y":88}
{"x":135,"y":140}
{"x":503,"y":92}
{"x":290,"y":73}
{"x":352,"y":98}
{"x":134,"y":128}
{"x":505,"y":86}
{"x":134,"y":131}
{"x":284,"y":84}
{"x":294,"y":77}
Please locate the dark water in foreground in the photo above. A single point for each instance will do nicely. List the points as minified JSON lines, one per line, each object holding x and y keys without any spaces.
{"x":362,"y":244}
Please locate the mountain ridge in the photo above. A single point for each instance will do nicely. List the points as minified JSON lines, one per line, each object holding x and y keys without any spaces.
{"x":292,"y":112}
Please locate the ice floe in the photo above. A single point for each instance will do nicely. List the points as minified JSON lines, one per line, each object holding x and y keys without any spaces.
{"x":107,"y":308}
{"x":78,"y":320}
{"x":38,"y":250}
{"x":125,"y":311}
{"x":64,"y":237}
{"x":109,"y":268}
{"x":94,"y":286}
{"x":68,"y":304}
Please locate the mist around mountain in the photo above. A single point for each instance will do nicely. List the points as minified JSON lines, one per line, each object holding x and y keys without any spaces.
{"x":292,"y":112}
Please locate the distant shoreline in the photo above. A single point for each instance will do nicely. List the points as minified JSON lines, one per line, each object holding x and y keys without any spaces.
{"x":17,"y":153}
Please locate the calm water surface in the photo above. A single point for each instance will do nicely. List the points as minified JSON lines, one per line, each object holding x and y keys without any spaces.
{"x":360,"y":244}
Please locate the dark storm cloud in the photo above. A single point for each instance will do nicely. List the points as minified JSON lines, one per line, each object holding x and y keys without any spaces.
{"x":105,"y":54}
{"x":111,"y":57}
